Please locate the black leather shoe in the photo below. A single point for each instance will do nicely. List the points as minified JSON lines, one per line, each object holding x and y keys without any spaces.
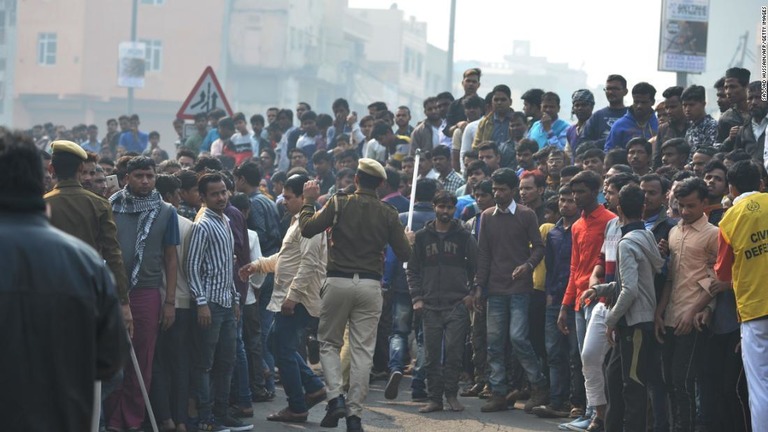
{"x":354,"y":424}
{"x":336,"y":409}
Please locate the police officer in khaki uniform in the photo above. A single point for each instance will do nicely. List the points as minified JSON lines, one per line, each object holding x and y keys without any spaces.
{"x":361,"y":226}
{"x":85,"y":215}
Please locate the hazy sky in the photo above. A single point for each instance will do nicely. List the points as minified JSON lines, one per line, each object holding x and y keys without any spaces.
{"x":599,"y":36}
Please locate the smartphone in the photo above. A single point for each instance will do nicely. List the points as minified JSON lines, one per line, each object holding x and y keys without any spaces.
{"x":112,"y":183}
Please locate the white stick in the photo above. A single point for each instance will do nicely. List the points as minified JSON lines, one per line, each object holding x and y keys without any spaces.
{"x":413,"y":194}
{"x":96,"y":406}
{"x":413,"y":188}
{"x":144,"y":393}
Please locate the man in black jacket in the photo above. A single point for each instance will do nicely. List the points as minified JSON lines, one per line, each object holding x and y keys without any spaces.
{"x":441,"y":266}
{"x":63,"y":327}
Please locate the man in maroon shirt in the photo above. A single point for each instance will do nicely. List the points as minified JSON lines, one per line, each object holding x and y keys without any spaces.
{"x":510,"y":247}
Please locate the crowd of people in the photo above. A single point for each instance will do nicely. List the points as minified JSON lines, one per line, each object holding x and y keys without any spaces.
{"x":606,"y":272}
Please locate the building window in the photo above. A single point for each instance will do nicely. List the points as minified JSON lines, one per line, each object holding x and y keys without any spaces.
{"x":3,"y":27}
{"x":407,"y":61}
{"x":46,"y":48}
{"x":153,"y":2}
{"x":154,"y":55}
{"x":419,"y":61}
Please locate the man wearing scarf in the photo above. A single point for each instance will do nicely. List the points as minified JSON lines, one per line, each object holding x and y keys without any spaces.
{"x":148,"y":233}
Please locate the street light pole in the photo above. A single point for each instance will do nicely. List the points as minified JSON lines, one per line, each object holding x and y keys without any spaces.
{"x":134,"y":13}
{"x":451,"y":34}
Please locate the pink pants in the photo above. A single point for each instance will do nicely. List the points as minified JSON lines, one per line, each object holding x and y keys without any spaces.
{"x":125,"y":406}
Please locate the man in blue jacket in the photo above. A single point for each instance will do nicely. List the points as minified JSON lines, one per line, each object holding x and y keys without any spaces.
{"x":394,"y":281}
{"x":639,"y":121}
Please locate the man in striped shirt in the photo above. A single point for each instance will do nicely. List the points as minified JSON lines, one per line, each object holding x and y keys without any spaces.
{"x":210,"y":261}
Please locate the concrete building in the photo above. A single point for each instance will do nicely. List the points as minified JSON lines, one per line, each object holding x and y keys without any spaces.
{"x":59,"y":60}
{"x":67,"y":58}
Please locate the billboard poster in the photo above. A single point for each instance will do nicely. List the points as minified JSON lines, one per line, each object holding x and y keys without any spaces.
{"x":683,"y":38}
{"x":132,"y":59}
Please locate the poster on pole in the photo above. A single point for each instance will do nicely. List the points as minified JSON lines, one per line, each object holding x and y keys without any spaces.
{"x":131,"y":67}
{"x":683,"y":38}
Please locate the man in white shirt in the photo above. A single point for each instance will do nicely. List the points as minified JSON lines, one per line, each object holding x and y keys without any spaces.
{"x":299,"y":270}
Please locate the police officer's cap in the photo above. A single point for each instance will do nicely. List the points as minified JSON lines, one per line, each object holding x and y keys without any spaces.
{"x":371,"y":167}
{"x":68,"y":147}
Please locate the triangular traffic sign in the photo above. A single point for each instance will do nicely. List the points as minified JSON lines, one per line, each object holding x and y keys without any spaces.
{"x":205,"y":96}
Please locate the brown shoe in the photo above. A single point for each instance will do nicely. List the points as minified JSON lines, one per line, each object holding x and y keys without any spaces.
{"x":497,"y":402}
{"x":519,"y":395}
{"x":315,"y":398}
{"x":539,"y":396}
{"x":431,"y":406}
{"x":454,"y":404}
{"x":473,"y":391}
{"x":288,"y":416}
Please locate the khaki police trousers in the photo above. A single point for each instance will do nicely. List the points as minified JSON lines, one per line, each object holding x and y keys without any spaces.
{"x":356,"y":302}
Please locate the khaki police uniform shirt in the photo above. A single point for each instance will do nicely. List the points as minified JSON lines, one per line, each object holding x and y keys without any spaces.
{"x":361,"y":227}
{"x":88,"y":217}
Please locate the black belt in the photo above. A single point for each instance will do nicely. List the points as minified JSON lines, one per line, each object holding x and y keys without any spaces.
{"x":339,"y":274}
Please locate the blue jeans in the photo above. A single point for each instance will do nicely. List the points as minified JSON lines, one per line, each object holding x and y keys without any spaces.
{"x":582,"y":319}
{"x":240,"y":382}
{"x":402,"y":321}
{"x":564,"y":360}
{"x":508,"y":318}
{"x":212,"y":378}
{"x":267,"y":359}
{"x":296,"y":376}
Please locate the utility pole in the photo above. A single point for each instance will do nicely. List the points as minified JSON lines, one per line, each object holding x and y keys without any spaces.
{"x":451,"y":34}
{"x":134,"y":13}
{"x":682,"y":79}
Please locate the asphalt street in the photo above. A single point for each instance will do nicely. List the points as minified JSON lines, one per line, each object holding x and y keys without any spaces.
{"x":401,"y":414}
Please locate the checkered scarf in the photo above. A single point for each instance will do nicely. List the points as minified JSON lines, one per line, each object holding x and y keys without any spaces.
{"x":148,"y":207}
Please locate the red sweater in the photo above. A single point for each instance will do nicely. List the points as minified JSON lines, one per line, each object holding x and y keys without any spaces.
{"x":588,"y":234}
{"x":507,"y":241}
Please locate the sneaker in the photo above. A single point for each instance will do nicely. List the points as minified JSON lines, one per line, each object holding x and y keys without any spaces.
{"x":261,"y":395}
{"x":579,"y":425}
{"x":234,"y":424}
{"x":393,"y":385}
{"x":211,"y":425}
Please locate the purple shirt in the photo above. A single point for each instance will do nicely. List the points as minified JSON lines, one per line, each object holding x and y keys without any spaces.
{"x":242,"y":247}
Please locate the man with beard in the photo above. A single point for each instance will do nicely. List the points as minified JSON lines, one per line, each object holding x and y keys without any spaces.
{"x":676,"y":124}
{"x":148,"y":233}
{"x":583,"y":102}
{"x":717,"y":184}
{"x":441,"y":267}
{"x":599,"y":124}
{"x":751,"y":135}
{"x":85,"y":215}
{"x":426,"y":135}
{"x":736,"y":81}
{"x":640,"y":119}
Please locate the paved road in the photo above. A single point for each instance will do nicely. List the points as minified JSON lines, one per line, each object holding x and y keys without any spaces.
{"x":382,"y":415}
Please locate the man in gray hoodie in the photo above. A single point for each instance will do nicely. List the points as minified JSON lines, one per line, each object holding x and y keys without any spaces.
{"x":630,"y":318}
